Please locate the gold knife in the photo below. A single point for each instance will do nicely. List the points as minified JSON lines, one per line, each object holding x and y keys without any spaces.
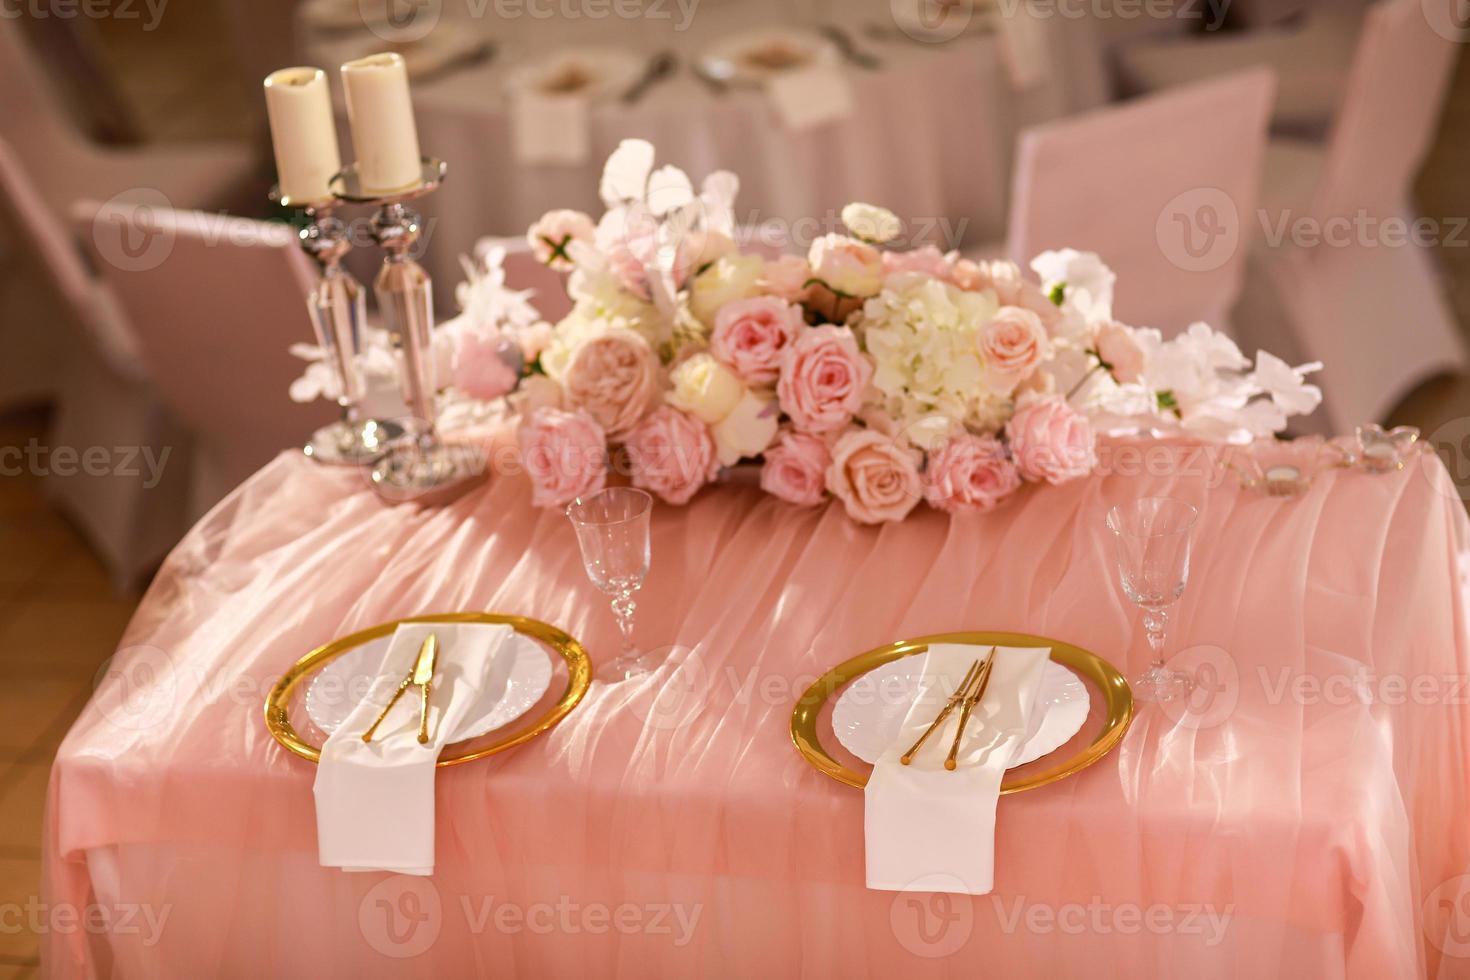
{"x":367,"y":736}
{"x":954,"y":700}
{"x":423,"y":676}
{"x":969,"y":706}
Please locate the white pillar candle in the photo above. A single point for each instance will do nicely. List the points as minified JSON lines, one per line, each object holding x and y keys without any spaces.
{"x":299,"y":106}
{"x":383,"y":133}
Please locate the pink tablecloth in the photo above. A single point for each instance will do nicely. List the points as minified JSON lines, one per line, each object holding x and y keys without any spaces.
{"x":1307,"y":818}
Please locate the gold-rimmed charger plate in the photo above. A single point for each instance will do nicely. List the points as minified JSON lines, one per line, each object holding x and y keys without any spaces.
{"x":579,"y":678}
{"x":1117,"y":710}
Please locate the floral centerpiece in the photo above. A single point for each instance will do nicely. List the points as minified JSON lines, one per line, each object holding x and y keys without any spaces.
{"x":880,"y":377}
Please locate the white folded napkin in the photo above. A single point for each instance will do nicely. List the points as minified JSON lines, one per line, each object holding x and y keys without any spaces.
{"x":930,"y":829}
{"x":375,"y":800}
{"x":808,"y":97}
{"x":550,"y":129}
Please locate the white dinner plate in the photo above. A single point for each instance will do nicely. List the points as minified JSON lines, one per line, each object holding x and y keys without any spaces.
{"x":341,"y":684}
{"x":756,"y":57}
{"x":868,"y":715}
{"x":595,"y":73}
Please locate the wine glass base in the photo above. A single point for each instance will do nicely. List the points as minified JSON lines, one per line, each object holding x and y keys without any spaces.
{"x":1160,"y":684}
{"x":428,"y":473}
{"x":341,"y":444}
{"x":628,"y":667}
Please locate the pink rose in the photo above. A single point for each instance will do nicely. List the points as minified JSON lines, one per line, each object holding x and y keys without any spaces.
{"x":823,"y":377}
{"x":480,"y":370}
{"x":565,"y":455}
{"x":613,"y":377}
{"x":1051,"y":441}
{"x":875,"y":478}
{"x":967,"y":275}
{"x":787,"y":277}
{"x":848,"y":267}
{"x":551,"y":237}
{"x":1119,"y":348}
{"x":926,"y":260}
{"x":969,"y":473}
{"x":1012,"y":344}
{"x":796,"y":469}
{"x":671,"y":454}
{"x":751,"y":334}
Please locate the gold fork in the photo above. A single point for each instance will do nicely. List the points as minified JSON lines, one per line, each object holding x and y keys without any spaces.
{"x":969,"y":706}
{"x":955,"y":699}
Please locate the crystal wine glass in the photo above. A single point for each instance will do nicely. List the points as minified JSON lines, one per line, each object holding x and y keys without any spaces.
{"x":1153,"y":539}
{"x":612,"y":531}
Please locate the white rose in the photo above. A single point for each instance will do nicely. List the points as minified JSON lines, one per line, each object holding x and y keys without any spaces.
{"x":705,"y":388}
{"x":731,"y":277}
{"x":747,"y":430}
{"x":871,"y":223}
{"x":846,"y":265}
{"x":1087,"y":283}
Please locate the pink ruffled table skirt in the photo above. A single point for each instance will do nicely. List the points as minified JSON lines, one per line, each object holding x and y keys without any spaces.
{"x":1306,"y":818}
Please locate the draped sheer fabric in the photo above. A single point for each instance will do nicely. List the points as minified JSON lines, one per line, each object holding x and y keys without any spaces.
{"x":1303,"y":817}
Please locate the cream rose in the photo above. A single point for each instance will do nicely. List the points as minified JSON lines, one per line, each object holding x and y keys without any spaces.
{"x":1011,"y":346}
{"x":747,"y":430}
{"x":728,"y":279}
{"x":704,"y":388}
{"x":847,"y":266}
{"x":876,"y":479}
{"x":871,"y":223}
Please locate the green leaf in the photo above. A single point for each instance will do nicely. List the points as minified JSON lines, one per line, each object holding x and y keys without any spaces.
{"x":1168,"y":403}
{"x":1058,"y":293}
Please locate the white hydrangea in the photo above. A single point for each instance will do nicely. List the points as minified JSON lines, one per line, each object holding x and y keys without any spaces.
{"x":922,"y":335}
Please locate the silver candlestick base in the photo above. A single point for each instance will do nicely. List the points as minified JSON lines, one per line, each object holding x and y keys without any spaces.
{"x":423,"y":467}
{"x":339,"y":319}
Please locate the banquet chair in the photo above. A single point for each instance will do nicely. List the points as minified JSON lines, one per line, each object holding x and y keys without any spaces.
{"x":524,"y":271}
{"x":215,"y":303}
{"x":1130,"y":183}
{"x":1355,"y":293}
{"x":63,"y":165}
{"x":128,"y":517}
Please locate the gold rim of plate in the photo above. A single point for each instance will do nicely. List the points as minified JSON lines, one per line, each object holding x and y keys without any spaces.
{"x":1117,"y":703}
{"x":579,"y":678}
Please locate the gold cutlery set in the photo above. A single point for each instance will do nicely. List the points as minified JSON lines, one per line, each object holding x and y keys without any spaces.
{"x":969,"y":693}
{"x":420,"y":676}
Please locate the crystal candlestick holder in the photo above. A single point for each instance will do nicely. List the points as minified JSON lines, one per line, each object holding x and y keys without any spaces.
{"x":423,"y":466}
{"x":339,"y":319}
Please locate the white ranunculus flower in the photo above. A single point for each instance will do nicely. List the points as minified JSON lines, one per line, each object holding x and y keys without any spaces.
{"x":1287,"y":385}
{"x":730,"y":278}
{"x":1087,"y":283}
{"x":705,"y":388}
{"x":871,"y":223}
{"x":747,"y":430}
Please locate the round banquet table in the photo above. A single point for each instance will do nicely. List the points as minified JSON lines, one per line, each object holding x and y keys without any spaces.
{"x":931,"y":137}
{"x":1306,"y":819}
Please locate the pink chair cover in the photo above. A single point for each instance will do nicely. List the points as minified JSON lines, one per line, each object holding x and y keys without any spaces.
{"x":1369,"y":305}
{"x":1328,"y":825}
{"x":215,"y":316}
{"x":1112,"y":180}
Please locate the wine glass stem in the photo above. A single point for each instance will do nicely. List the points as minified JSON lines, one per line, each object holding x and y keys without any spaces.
{"x":623,"y":608}
{"x":1156,"y":621}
